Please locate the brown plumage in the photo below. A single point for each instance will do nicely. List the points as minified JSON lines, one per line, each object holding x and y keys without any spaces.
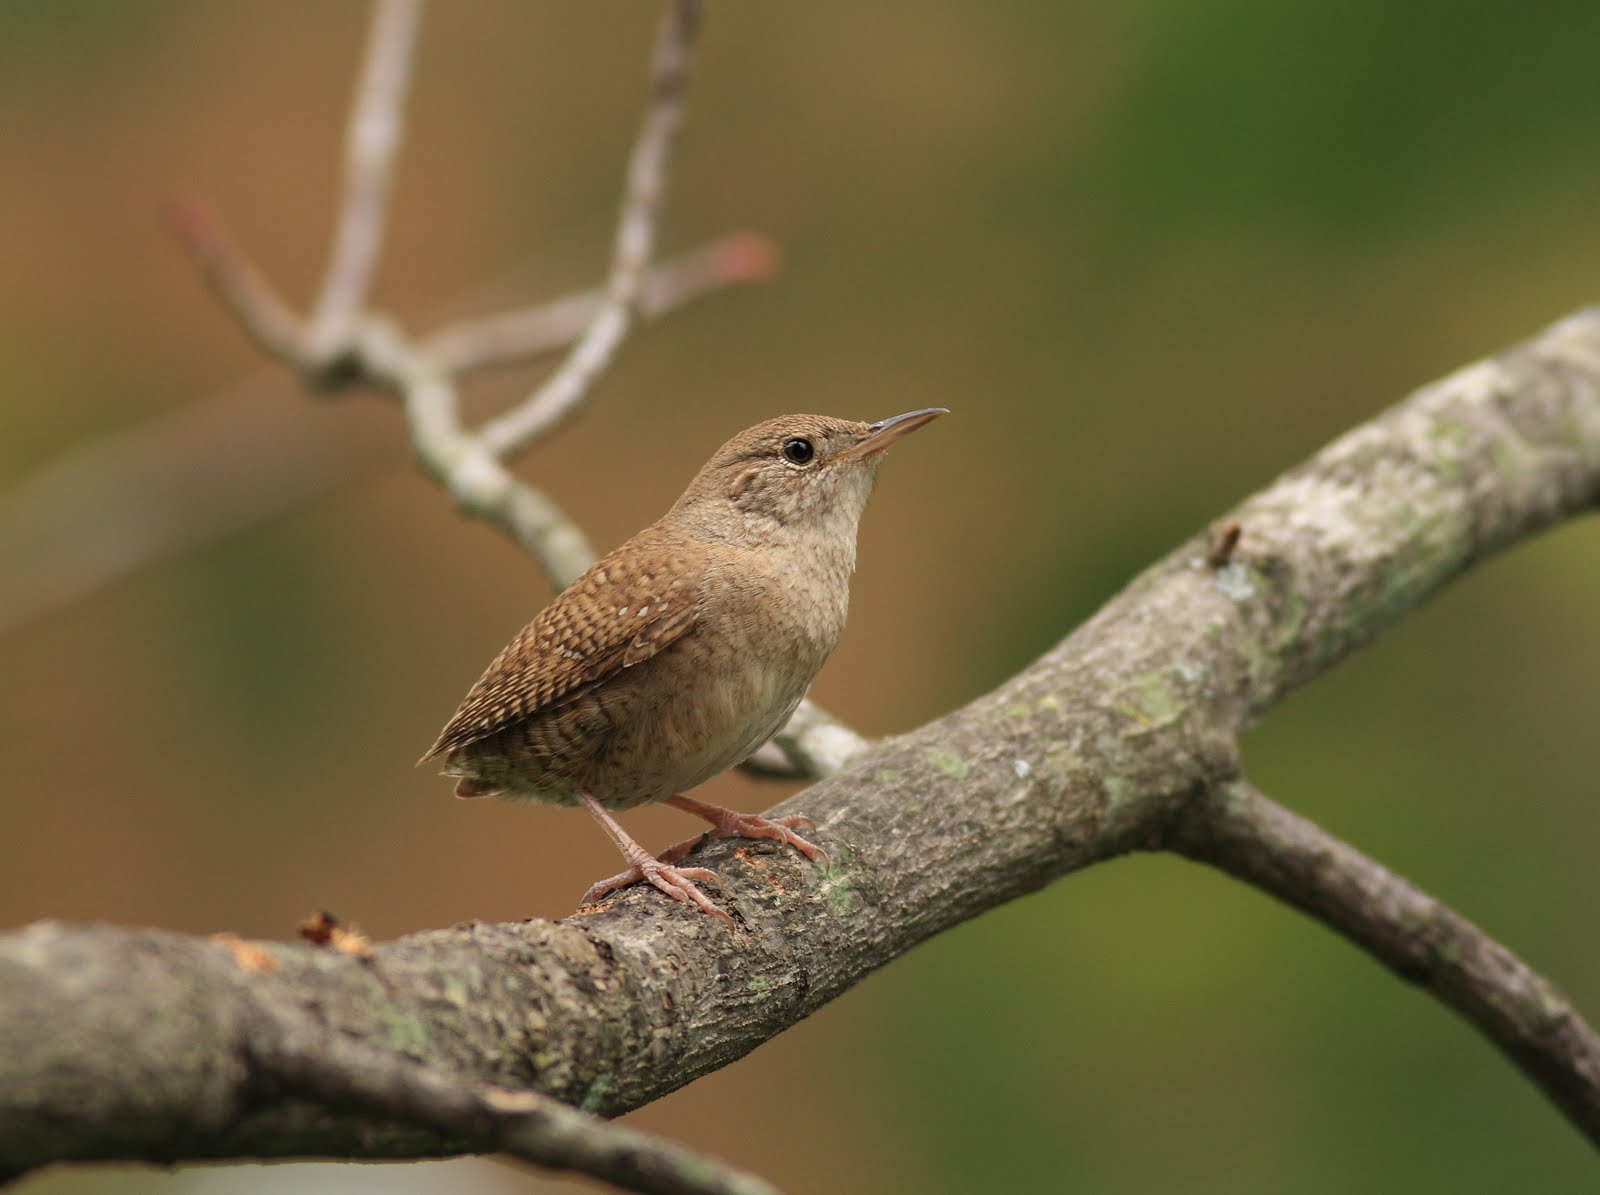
{"x":620,"y":613}
{"x":682,"y":651}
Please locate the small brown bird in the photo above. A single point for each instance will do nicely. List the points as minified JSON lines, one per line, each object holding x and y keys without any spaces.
{"x":685,"y":649}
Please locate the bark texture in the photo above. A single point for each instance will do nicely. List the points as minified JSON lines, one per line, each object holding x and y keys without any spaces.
{"x":141,"y":1044}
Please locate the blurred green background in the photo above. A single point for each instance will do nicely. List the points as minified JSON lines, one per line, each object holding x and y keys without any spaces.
{"x":1150,"y":254}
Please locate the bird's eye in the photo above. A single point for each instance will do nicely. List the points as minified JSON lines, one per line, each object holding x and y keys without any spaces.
{"x":797,"y":450}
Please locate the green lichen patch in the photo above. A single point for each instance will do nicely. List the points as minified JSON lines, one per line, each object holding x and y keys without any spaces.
{"x":1150,"y":701}
{"x":947,"y":763}
{"x":839,"y":860}
{"x":1512,"y":459}
{"x":594,"y":1098}
{"x":841,"y":898}
{"x":1291,"y":617}
{"x":451,"y":987}
{"x":1062,"y":764}
{"x":836,"y":888}
{"x":1117,"y":788}
{"x":403,"y":1034}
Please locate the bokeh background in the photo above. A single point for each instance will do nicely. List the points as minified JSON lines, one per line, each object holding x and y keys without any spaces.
{"x":1150,"y":254}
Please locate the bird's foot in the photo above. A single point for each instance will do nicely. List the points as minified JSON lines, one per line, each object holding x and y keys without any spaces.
{"x":677,"y":882}
{"x":730,"y":823}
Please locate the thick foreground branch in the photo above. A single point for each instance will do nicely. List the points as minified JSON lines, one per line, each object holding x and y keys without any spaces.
{"x":137,"y":1044}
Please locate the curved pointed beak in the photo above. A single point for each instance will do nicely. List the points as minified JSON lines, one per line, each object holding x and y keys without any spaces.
{"x":886,"y":431}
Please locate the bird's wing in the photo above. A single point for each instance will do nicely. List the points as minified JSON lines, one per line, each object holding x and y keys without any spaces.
{"x":625,"y":609}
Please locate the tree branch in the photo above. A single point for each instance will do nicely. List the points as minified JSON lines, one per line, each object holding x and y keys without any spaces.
{"x":304,"y":1061}
{"x":131,"y":1044}
{"x":811,"y":745}
{"x":1237,"y":829}
{"x":372,"y":140}
{"x":239,"y":286}
{"x":534,"y":332}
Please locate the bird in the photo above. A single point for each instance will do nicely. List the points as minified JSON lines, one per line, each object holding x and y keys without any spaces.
{"x":678,"y":654}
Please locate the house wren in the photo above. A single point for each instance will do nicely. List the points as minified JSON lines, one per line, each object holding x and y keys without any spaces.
{"x":685,"y":649}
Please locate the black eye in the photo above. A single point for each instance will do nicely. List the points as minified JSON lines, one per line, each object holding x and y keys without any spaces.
{"x":797,"y":450}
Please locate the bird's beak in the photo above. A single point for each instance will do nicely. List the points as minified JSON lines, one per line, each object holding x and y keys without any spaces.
{"x":886,"y":431}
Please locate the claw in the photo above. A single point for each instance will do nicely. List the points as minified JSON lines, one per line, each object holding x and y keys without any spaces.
{"x":729,"y":823}
{"x":681,"y":883}
{"x":677,"y":882}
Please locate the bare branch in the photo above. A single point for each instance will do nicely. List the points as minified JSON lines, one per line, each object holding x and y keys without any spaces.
{"x":371,"y":143}
{"x":1235,"y":828}
{"x":242,"y":289}
{"x":561,"y":393}
{"x":304,"y":1060}
{"x":478,"y":482}
{"x":533,"y":332}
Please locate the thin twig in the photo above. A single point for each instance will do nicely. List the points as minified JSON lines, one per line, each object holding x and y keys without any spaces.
{"x":532,"y":332}
{"x":372,"y":140}
{"x":234,"y":279}
{"x":812,"y":744}
{"x":1237,"y":829}
{"x":561,"y":393}
{"x":479,"y":483}
{"x":347,"y":1075}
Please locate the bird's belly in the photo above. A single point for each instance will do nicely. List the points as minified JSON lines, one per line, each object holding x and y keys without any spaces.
{"x":706,"y":723}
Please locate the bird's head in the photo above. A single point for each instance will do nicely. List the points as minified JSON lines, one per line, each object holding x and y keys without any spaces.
{"x":813,"y":471}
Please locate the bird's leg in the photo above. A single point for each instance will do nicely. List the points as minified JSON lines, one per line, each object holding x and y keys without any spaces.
{"x":676,"y":882}
{"x":730,"y":823}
